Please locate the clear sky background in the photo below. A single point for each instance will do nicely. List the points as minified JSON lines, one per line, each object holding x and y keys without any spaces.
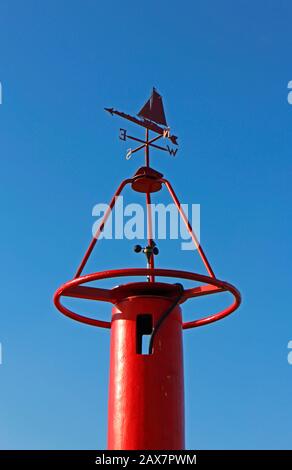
{"x":223,"y":69}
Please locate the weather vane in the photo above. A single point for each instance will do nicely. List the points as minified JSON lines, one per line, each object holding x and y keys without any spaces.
{"x":152,"y":119}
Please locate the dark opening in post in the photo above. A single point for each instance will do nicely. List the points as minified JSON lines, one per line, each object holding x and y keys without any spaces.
{"x":143,"y":333}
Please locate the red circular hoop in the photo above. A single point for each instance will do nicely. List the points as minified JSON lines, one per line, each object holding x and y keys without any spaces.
{"x":75,"y":288}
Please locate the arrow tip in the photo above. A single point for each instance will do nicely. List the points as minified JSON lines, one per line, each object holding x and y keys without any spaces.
{"x":173,"y":139}
{"x":109,"y":110}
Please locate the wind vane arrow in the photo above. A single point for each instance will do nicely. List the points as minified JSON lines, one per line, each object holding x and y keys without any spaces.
{"x":145,"y":123}
{"x":110,"y":110}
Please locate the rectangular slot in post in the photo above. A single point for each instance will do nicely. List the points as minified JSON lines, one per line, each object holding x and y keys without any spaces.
{"x":144,"y":329}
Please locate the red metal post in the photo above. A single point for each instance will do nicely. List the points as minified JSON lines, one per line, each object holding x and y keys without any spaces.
{"x":146,"y":391}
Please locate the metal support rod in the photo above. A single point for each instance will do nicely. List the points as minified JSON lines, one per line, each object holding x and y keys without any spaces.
{"x":189,"y":227}
{"x":101,"y":226}
{"x":147,"y":148}
{"x":145,"y":145}
{"x":150,"y":233}
{"x":149,"y":211}
{"x":150,"y":142}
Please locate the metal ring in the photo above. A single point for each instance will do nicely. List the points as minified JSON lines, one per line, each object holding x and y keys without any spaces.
{"x":75,"y":288}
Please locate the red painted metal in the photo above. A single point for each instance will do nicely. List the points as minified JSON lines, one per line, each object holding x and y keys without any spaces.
{"x":189,"y":228}
{"x":150,"y":263}
{"x":101,"y":227}
{"x":147,"y":180}
{"x":153,"y":180}
{"x":146,"y":391}
{"x":213,"y":285}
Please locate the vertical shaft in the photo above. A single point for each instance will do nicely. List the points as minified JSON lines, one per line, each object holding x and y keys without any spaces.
{"x":150,"y":233}
{"x":150,"y":263}
{"x":147,"y":160}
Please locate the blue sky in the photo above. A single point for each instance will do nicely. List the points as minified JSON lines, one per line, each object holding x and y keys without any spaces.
{"x":223,"y":69}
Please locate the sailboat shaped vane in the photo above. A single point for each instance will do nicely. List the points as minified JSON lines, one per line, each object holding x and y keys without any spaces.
{"x":152,"y":118}
{"x":153,"y":109}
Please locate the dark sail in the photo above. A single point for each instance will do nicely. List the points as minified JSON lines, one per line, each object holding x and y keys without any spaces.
{"x":153,"y":109}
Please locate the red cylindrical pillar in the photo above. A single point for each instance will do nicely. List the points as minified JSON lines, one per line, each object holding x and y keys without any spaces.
{"x":146,"y":391}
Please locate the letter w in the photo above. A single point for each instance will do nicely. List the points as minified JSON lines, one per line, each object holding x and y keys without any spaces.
{"x":171,"y":151}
